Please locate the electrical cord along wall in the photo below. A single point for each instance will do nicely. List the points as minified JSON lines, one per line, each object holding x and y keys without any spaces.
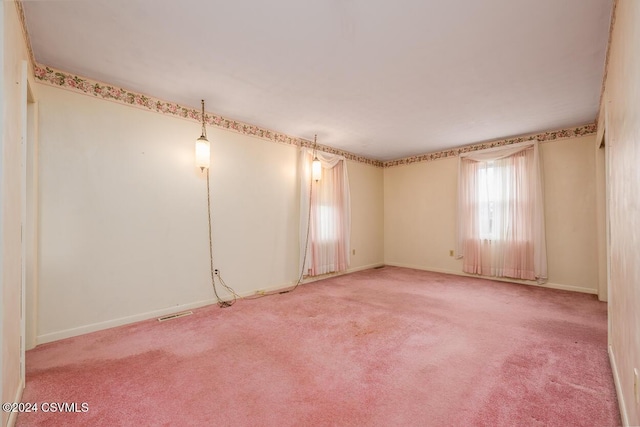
{"x":215,"y":272}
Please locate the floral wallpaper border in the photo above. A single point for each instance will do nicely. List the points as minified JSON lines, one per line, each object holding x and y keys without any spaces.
{"x":545,"y":136}
{"x":58,"y":78}
{"x":87,"y":86}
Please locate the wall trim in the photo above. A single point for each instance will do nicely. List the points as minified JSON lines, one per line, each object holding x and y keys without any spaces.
{"x":107,"y":324}
{"x":54,"y":77}
{"x":549,"y":285}
{"x":121,"y":321}
{"x":616,"y":380}
{"x":342,"y":273}
{"x":86,"y":86}
{"x":262,"y":292}
{"x":365,"y":267}
{"x":58,"y":78}
{"x":588,"y":129}
{"x":94,"y":327}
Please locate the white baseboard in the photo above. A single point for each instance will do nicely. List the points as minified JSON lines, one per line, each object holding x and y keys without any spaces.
{"x":566,"y":287}
{"x":94,"y":327}
{"x":99,"y":326}
{"x":280,"y":288}
{"x":616,"y":380}
{"x":11,"y":422}
{"x":342,"y":273}
{"x":365,"y":267}
{"x":499,"y":279}
{"x":81,"y":330}
{"x":308,"y":280}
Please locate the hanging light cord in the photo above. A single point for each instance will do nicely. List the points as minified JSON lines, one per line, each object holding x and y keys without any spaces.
{"x":306,"y":249}
{"x":215,"y":272}
{"x":204,"y":128}
{"x":306,"y":242}
{"x":304,"y":258}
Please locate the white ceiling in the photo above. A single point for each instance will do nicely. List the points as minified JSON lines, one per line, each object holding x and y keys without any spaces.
{"x":380,"y":78}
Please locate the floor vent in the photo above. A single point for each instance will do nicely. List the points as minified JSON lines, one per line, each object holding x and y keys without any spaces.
{"x":174,"y":316}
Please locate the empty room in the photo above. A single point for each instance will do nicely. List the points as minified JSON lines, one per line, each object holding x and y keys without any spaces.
{"x":320,"y":213}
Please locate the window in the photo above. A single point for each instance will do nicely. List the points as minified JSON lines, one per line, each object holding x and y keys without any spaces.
{"x":328,"y":199}
{"x":497,"y":190}
{"x":500,"y":213}
{"x":327,"y":220}
{"x":487,"y":199}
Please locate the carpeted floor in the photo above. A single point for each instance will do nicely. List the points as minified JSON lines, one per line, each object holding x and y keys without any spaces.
{"x":384,"y":347}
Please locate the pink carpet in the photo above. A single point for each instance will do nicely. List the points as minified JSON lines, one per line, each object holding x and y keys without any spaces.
{"x":385,"y":347}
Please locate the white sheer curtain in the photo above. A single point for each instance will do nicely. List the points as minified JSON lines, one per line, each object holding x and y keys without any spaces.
{"x":501,"y":213}
{"x":330,"y":233}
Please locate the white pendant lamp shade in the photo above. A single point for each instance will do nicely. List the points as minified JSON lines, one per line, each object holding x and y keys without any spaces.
{"x":203,"y":148}
{"x":203,"y":153}
{"x":316,"y":169}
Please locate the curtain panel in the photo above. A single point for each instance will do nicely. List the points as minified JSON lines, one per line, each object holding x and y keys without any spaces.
{"x":329,"y":212}
{"x":501,"y":213}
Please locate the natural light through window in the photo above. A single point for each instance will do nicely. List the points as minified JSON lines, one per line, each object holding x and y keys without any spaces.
{"x":328,"y":224}
{"x":326,"y":205}
{"x":500,"y":213}
{"x":491,"y":195}
{"x":486,"y":197}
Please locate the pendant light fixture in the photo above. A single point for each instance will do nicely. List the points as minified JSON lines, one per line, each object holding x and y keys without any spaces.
{"x":316,"y":166}
{"x":203,"y":148}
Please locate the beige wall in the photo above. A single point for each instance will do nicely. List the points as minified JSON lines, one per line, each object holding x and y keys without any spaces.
{"x":622,"y":117}
{"x":13,"y":53}
{"x":419,"y":215}
{"x":570,"y":212}
{"x":367,"y":224}
{"x":123,"y":211}
{"x":420,"y":210}
{"x":123,"y":215}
